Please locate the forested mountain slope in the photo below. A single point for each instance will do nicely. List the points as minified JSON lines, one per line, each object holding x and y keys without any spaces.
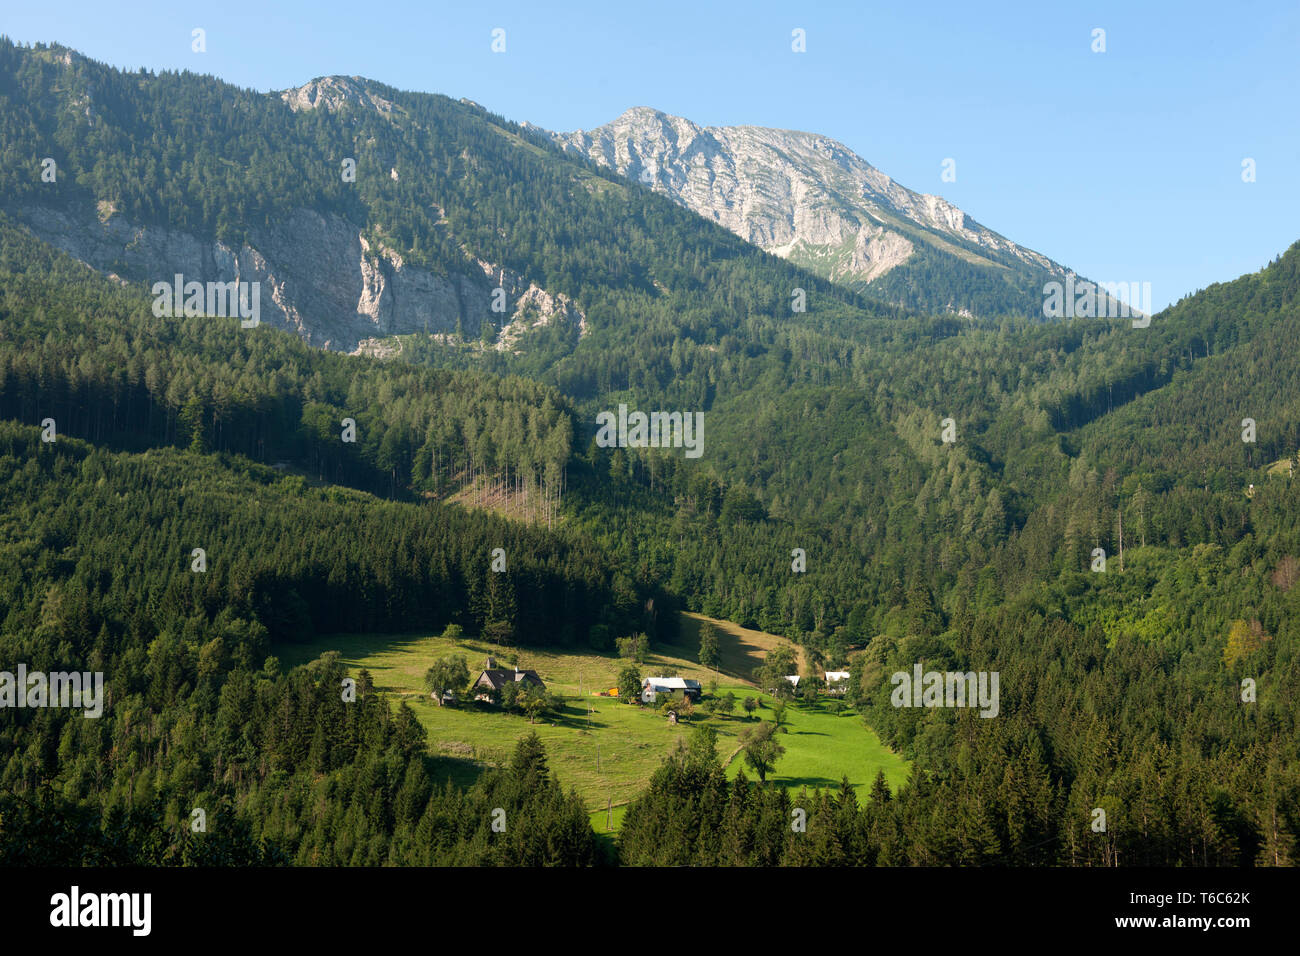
{"x":824,"y":431}
{"x":1159,"y":686}
{"x":159,"y":174}
{"x":139,"y":539}
{"x":1146,"y":656}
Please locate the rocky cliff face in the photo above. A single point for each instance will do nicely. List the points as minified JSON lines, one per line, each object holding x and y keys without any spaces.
{"x":798,"y":195}
{"x":320,"y":277}
{"x":801,"y":196}
{"x":335,"y":92}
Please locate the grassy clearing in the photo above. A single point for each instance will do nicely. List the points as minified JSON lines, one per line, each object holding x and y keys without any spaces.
{"x":1281,"y":467}
{"x":821,"y":747}
{"x":609,"y":754}
{"x":740,"y":649}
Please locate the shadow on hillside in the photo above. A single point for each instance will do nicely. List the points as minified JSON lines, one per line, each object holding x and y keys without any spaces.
{"x":461,"y":771}
{"x":574,"y":717}
{"x":740,"y":649}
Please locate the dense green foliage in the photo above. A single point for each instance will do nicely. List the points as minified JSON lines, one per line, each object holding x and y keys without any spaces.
{"x":1121,"y":690}
{"x":97,"y":574}
{"x":211,"y":159}
{"x":932,"y":280}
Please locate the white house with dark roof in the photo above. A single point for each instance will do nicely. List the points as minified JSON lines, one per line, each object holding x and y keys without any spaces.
{"x":652,"y":687}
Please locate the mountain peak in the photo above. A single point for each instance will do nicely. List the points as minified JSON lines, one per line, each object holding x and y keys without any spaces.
{"x":649,"y":123}
{"x":644,"y":112}
{"x":334,"y":93}
{"x":811,"y":199}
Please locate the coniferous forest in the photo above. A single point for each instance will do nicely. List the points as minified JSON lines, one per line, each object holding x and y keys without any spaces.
{"x":1120,"y":690}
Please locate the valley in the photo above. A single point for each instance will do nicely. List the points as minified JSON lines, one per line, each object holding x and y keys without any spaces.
{"x":603,"y":747}
{"x":411,"y":454}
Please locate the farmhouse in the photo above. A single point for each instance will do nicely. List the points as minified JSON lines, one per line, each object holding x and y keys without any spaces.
{"x":492,"y":679}
{"x":652,"y":687}
{"x":835,"y":681}
{"x":792,"y":678}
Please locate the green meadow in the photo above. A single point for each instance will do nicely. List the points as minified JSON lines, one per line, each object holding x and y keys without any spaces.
{"x":602,"y":747}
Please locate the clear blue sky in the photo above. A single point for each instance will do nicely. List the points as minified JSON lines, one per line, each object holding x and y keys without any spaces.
{"x":1123,"y":165}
